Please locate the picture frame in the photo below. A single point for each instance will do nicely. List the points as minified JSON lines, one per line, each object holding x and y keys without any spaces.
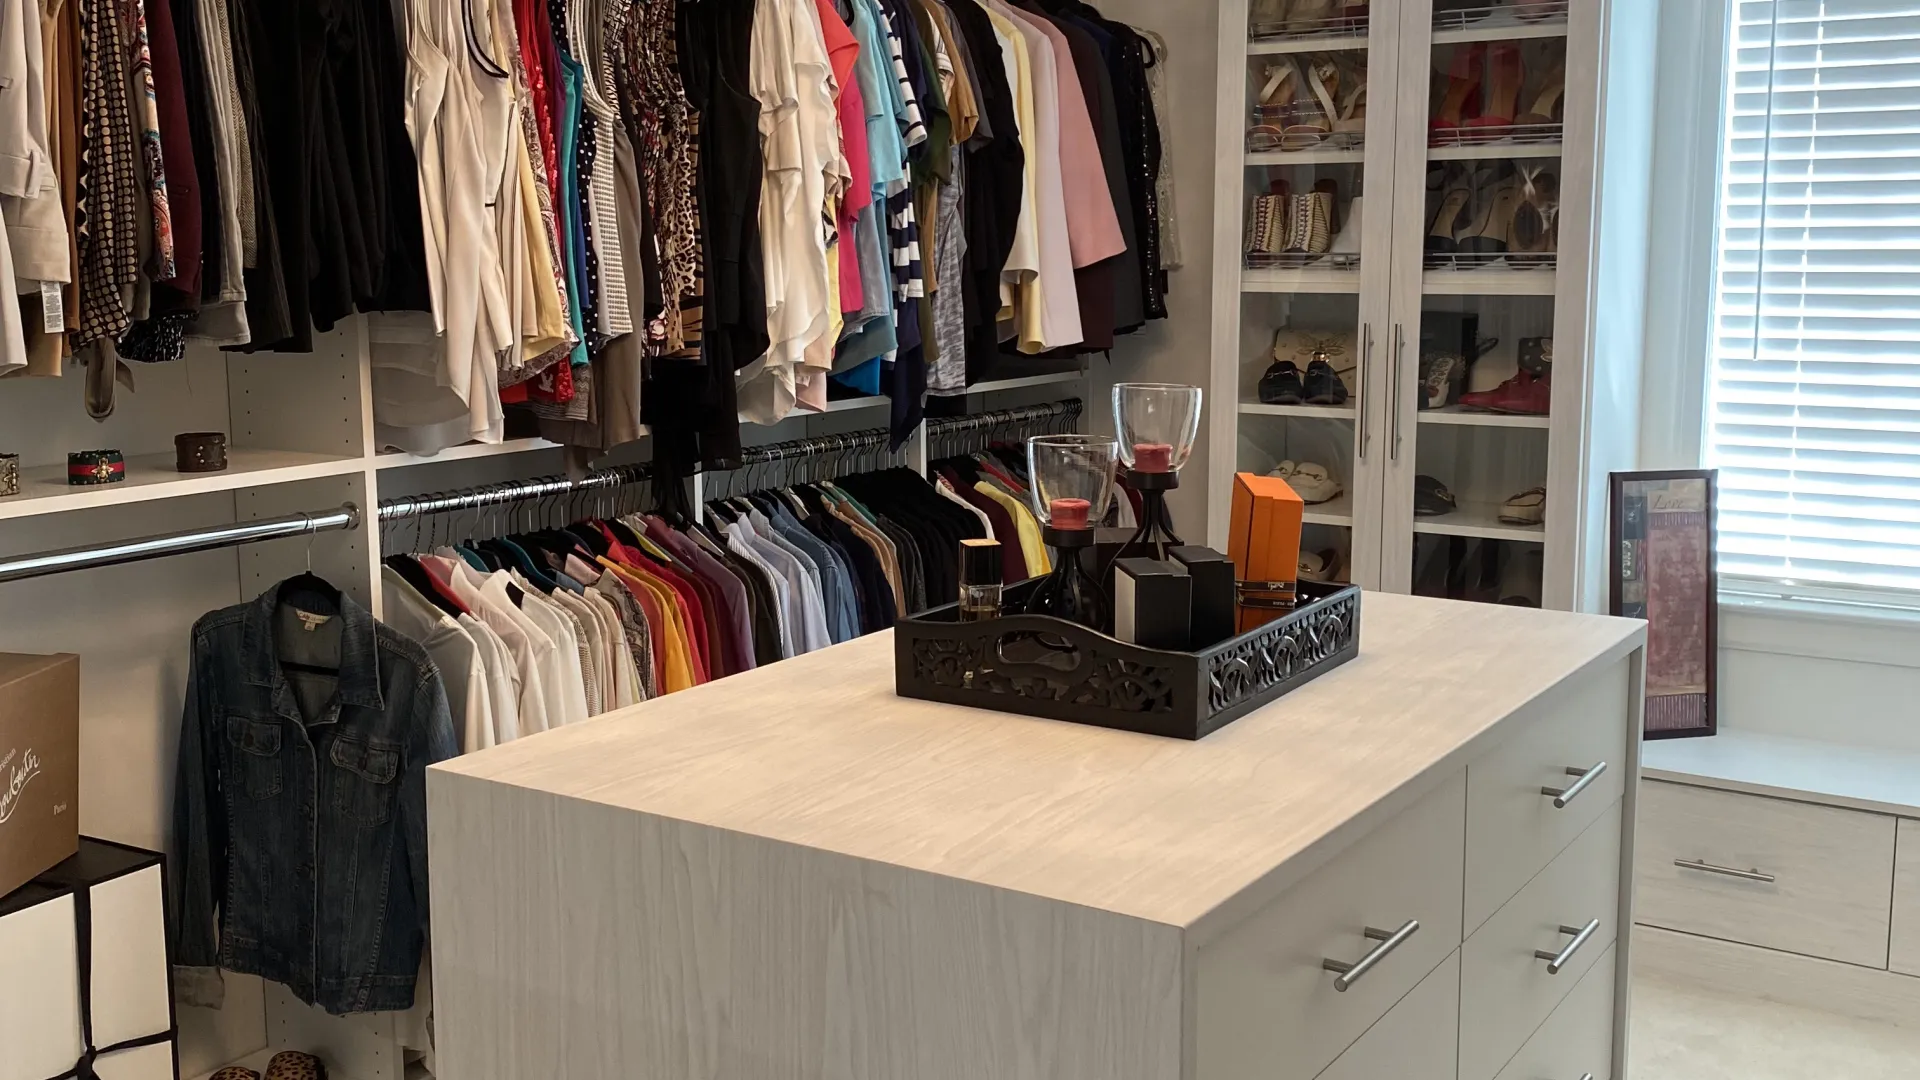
{"x":1662,"y":569}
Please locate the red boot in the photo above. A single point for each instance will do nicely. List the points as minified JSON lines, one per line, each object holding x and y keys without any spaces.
{"x":1522,"y":395}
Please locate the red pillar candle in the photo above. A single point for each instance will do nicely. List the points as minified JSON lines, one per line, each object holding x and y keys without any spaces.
{"x":1152,"y":457}
{"x":1069,"y":513}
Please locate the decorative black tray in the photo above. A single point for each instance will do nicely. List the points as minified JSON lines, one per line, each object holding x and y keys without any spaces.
{"x":1042,"y":666}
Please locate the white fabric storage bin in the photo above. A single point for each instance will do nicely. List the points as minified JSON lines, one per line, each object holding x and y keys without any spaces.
{"x":39,"y":983}
{"x":85,"y":954}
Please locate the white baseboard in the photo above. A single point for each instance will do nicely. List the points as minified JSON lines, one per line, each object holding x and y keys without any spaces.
{"x":1790,"y":979}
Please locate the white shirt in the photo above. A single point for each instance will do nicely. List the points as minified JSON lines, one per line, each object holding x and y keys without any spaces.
{"x":529,"y":646}
{"x":790,"y":75}
{"x":1060,"y":296}
{"x":503,"y":678}
{"x":593,"y":651}
{"x":566,"y":689}
{"x":452,"y":650}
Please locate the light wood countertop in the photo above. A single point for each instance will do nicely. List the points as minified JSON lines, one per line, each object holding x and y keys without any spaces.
{"x":819,"y":752}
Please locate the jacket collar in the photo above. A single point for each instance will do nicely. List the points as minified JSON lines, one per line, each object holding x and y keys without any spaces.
{"x":359,"y":683}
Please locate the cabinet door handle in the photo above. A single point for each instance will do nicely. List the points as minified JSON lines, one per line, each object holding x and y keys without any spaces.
{"x":1724,"y":871}
{"x":1556,"y":961}
{"x":1366,"y":386}
{"x":1562,"y":796}
{"x":1393,"y":397}
{"x":1389,"y":940}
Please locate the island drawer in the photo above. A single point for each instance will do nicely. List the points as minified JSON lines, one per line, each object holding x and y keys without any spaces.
{"x":1269,"y":1008}
{"x":1506,"y":988}
{"x":1418,"y":1039}
{"x":1577,"y":1040}
{"x":1804,"y":879}
{"x":1513,"y":826}
{"x":1904,"y":952}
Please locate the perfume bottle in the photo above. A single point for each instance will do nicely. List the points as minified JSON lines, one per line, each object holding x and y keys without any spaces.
{"x":1072,"y":484}
{"x":1157,"y":423}
{"x":980,"y":580}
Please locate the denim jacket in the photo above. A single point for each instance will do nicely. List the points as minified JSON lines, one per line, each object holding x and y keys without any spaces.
{"x":307,"y":836}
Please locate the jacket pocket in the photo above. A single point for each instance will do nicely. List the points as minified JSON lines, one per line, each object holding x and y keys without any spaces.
{"x":365,"y":778}
{"x":256,"y":757}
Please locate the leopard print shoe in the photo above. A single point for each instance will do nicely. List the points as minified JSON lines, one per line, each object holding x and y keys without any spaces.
{"x":293,"y":1065}
{"x":235,"y":1072}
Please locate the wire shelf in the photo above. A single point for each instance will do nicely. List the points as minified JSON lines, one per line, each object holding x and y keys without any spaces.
{"x":1297,"y":29}
{"x":1489,"y":16}
{"x":1519,"y":136}
{"x":1300,"y":260}
{"x":1491,"y":262}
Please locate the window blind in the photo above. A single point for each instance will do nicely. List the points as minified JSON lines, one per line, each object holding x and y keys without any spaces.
{"x":1814,"y":402}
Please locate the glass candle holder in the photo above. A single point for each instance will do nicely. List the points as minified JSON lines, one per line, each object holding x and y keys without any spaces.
{"x":1157,"y":423}
{"x":1072,"y":484}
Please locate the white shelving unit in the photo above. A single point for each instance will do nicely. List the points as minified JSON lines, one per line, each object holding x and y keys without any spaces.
{"x":1401,"y":302}
{"x":301,"y":439}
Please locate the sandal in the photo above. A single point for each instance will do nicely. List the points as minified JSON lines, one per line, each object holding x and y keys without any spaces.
{"x":1527,"y":508}
{"x":1310,"y":116}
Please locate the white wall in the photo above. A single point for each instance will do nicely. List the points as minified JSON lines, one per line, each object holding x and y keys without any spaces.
{"x":1177,"y":349}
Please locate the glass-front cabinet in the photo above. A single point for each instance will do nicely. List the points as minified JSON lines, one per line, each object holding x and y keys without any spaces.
{"x":1409,"y":169}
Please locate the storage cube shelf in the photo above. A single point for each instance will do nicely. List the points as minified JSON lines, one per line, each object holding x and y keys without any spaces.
{"x":1522,"y":250}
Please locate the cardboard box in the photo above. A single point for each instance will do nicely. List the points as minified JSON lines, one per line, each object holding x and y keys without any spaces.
{"x":39,"y":764}
{"x":1264,"y":543}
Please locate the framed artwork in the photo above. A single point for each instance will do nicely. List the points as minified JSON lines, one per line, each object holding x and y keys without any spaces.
{"x":1662,"y":531}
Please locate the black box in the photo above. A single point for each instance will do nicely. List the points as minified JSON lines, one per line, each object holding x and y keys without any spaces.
{"x":1152,"y":603}
{"x":1213,"y":594}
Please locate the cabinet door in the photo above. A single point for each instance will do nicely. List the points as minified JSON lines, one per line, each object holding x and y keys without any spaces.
{"x":1309,"y":131}
{"x":1468,"y":351}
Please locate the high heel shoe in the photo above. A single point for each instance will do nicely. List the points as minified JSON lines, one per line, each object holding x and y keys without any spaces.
{"x":1462,"y":80}
{"x":1274,"y":100}
{"x":1535,"y":217}
{"x":1440,"y":235}
{"x":1310,"y":118}
{"x":1269,"y":17}
{"x":1492,"y":233}
{"x":1350,"y":125}
{"x":1503,"y":88}
{"x":1547,"y":108}
{"x":1267,"y":223}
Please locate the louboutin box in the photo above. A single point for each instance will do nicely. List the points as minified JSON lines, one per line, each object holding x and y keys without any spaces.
{"x":1263,"y":540}
{"x":39,"y":765}
{"x":84,"y":970}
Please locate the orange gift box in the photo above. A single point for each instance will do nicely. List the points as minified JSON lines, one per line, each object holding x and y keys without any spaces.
{"x":1264,"y":544}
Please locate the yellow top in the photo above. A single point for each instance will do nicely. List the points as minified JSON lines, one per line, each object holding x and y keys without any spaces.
{"x":1033,"y":546}
{"x":676,"y":672}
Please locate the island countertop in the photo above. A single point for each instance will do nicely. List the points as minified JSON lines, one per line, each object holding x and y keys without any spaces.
{"x":818,"y":752}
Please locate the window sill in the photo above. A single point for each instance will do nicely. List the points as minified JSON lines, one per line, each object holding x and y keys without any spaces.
{"x":1861,"y":630}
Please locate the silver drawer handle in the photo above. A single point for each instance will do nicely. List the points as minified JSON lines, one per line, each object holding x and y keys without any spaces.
{"x":1562,"y":796}
{"x":1389,"y":940}
{"x":1556,"y":961}
{"x":1724,"y":871}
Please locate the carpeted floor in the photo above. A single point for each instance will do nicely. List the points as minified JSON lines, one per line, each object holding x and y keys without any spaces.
{"x":1682,"y":1032}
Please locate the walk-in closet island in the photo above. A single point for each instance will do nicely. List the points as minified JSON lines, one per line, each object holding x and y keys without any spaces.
{"x":1413,"y":866}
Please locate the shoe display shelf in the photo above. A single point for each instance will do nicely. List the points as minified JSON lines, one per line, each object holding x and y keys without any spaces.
{"x":1438,"y":194}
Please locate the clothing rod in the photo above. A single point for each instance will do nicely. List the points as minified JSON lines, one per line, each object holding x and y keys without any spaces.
{"x":514,"y":491}
{"x":44,"y":563}
{"x":936,"y":428}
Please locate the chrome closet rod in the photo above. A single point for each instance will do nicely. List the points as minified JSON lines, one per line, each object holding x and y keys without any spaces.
{"x":411,"y":506}
{"x":42,"y":564}
{"x":936,"y":428}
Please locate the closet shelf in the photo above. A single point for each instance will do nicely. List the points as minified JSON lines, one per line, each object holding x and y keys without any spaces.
{"x":1323,"y":155}
{"x":1322,"y":412}
{"x":1501,"y":30}
{"x":1337,"y":511}
{"x":1511,"y":151}
{"x":1453,"y":414}
{"x":1481,"y":520}
{"x":464,"y":452}
{"x":1310,"y":280}
{"x":44,"y":489}
{"x":1488,"y":281}
{"x":1278,"y":46}
{"x":989,"y":387}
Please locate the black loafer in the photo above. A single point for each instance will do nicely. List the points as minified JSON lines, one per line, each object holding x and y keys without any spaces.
{"x":1431,"y":498}
{"x":1281,"y":385}
{"x":1323,"y":385}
